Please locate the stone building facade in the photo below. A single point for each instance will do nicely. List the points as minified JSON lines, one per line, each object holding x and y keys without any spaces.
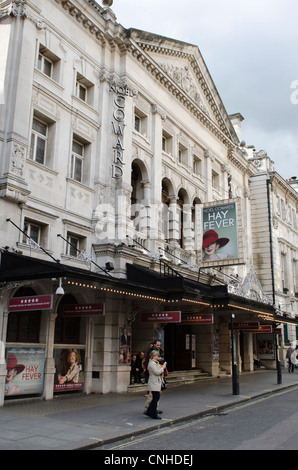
{"x":112,"y":141}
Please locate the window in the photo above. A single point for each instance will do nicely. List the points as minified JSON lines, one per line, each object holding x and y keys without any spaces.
{"x":67,"y":330}
{"x":73,"y":245}
{"x":284,"y":272}
{"x":48,"y":63}
{"x":165,"y":216}
{"x":84,"y":89}
{"x":140,"y":123}
{"x":81,"y":91}
{"x":196,"y":165}
{"x":33,"y":231}
{"x":23,"y":327}
{"x":182,"y":154}
{"x":167,"y":142}
{"x":39,"y":138}
{"x":215,"y":180}
{"x":45,"y":65}
{"x":77,"y":159}
{"x":137,"y":123}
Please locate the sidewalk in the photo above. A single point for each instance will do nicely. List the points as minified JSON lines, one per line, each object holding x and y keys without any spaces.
{"x":83,"y":421}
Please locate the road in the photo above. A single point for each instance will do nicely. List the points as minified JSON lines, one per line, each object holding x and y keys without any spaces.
{"x":267,"y":423}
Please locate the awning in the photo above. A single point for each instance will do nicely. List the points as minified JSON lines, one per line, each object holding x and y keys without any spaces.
{"x":17,"y":267}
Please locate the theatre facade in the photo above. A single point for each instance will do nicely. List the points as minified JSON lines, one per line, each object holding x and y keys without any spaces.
{"x":125,"y":208}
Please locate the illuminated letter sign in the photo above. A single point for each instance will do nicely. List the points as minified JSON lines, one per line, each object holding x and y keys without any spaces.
{"x":118,"y":129}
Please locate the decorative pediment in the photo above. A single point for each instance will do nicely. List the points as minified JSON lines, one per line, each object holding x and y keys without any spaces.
{"x":183,"y":77}
{"x":249,"y":288}
{"x":184,"y":65}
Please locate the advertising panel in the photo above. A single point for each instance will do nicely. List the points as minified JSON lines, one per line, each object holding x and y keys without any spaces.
{"x":36,"y":302}
{"x":124,"y":345}
{"x":221,"y":233}
{"x":265,"y":345}
{"x":82,"y":310}
{"x":197,"y":319}
{"x":25,"y":371}
{"x":162,"y":317}
{"x":69,"y":369}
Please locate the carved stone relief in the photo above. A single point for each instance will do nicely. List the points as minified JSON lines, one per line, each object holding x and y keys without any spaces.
{"x":18,"y":158}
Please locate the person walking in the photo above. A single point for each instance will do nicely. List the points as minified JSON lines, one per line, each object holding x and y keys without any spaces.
{"x":294,"y":358}
{"x":154,"y":383}
{"x":291,"y":366}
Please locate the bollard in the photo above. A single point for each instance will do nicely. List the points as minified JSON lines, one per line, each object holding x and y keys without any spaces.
{"x":279,"y":376}
{"x":235,"y":379}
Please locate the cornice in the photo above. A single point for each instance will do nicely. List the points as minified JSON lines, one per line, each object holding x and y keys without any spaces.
{"x":240,"y":162}
{"x":190,"y":57}
{"x":103,"y":28}
{"x":276,"y":178}
{"x":111,"y":33}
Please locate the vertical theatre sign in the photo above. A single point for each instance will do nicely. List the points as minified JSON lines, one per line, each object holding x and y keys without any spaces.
{"x":118,"y":128}
{"x":222,"y":233}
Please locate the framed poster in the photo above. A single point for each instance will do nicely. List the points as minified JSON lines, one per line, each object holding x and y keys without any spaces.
{"x":69,"y":369}
{"x":124,"y":345}
{"x":265,"y":344}
{"x":221,"y":233}
{"x":25,"y":371}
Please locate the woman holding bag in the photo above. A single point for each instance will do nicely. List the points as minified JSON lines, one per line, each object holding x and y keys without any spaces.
{"x":155,"y":370}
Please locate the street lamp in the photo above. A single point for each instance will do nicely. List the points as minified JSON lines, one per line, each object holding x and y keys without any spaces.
{"x":235,"y":375}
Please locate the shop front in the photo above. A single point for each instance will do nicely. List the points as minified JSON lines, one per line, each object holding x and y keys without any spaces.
{"x":82,"y":341}
{"x":46,"y":343}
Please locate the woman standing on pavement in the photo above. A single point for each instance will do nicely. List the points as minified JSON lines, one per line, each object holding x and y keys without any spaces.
{"x":155,"y":370}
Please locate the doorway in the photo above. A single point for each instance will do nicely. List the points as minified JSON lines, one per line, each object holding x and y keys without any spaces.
{"x":179,"y":347}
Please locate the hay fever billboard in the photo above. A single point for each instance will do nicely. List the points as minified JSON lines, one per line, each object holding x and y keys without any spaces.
{"x":220,"y":234}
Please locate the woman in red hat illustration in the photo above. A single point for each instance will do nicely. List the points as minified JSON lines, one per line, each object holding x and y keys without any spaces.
{"x":211,"y":244}
{"x":13,"y":369}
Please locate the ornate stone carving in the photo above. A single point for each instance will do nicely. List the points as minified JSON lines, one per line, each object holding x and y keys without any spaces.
{"x":18,"y":8}
{"x":249,"y":288}
{"x":18,"y":159}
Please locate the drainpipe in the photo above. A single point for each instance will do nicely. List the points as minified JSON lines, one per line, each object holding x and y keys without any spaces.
{"x":269,"y":183}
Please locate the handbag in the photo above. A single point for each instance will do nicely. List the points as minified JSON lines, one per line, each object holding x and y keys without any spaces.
{"x":163,"y":384}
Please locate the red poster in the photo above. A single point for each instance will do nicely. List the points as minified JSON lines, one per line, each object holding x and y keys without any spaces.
{"x":246,"y":326}
{"x":262,"y":329}
{"x":37,"y":302}
{"x":195,"y":319}
{"x":162,"y":317}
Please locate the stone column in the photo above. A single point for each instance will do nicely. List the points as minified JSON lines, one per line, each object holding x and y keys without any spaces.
{"x":49,"y":372}
{"x":174,"y":234}
{"x":3,"y":371}
{"x":144,"y":215}
{"x":88,"y":366}
{"x":187,"y":228}
{"x":248,"y":352}
{"x":208,"y":174}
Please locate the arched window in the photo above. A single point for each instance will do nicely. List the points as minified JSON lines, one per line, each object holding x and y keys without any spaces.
{"x":165,"y":199}
{"x":195,"y":222}
{"x":24,"y":326}
{"x":180,"y":203}
{"x":137,"y":194}
{"x":67,"y":329}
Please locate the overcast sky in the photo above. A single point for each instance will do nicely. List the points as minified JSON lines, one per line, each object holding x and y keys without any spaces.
{"x":251,"y":50}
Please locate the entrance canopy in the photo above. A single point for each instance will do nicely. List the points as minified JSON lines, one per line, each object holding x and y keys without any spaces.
{"x":175,"y":287}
